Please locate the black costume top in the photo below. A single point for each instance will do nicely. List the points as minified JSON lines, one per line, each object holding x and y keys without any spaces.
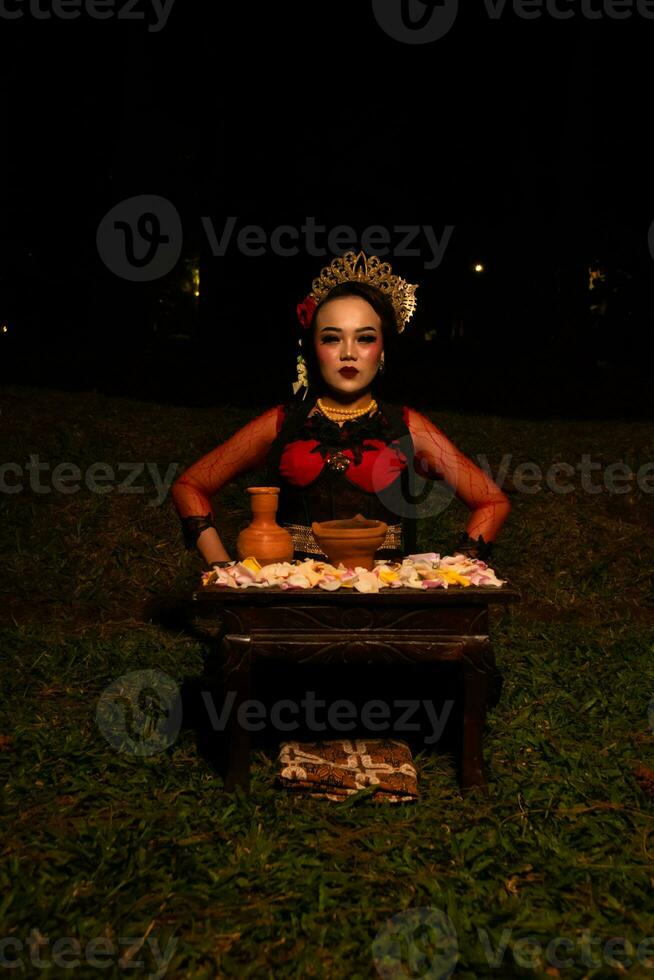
{"x":328,"y":472}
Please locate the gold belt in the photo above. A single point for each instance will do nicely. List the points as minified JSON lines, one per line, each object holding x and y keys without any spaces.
{"x":304,"y":540}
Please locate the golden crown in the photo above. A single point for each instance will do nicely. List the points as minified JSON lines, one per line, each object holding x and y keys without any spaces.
{"x":359,"y":268}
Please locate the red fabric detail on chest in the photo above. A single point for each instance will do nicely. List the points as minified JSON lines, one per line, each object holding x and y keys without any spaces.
{"x":298,"y":465}
{"x":378,"y":468}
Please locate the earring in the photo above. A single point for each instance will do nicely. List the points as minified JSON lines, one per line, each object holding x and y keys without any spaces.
{"x":381,"y":364}
{"x":302,"y":377}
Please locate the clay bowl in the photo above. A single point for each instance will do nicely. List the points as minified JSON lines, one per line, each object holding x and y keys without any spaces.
{"x":353,"y":541}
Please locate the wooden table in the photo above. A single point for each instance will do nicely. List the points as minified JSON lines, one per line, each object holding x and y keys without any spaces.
{"x":403,"y":625}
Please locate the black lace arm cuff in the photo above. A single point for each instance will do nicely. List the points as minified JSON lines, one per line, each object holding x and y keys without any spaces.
{"x":474,"y":547}
{"x":192,"y":528}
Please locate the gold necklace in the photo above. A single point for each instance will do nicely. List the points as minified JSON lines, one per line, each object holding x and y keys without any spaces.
{"x":343,"y":414}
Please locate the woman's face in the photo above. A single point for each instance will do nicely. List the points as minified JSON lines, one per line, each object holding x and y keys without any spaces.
{"x":349,"y":344}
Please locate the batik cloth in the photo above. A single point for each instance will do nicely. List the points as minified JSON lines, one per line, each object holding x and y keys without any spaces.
{"x":336,"y":769}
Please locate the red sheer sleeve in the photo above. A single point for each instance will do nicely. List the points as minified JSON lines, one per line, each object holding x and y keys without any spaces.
{"x":438,"y":458}
{"x":245,"y":450}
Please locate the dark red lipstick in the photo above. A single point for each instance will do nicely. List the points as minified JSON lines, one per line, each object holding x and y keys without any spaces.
{"x":348,"y":372}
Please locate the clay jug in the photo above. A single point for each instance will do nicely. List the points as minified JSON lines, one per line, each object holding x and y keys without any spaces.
{"x":263,"y":538}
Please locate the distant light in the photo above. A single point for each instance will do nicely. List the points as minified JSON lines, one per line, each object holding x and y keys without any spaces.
{"x":5,"y":328}
{"x":479,"y":267}
{"x":196,"y":292}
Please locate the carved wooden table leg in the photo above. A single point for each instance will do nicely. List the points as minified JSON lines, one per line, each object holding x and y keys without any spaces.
{"x":477,"y":658}
{"x":236,"y":686}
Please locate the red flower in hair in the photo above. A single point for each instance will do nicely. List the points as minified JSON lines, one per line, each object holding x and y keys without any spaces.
{"x":305,"y":311}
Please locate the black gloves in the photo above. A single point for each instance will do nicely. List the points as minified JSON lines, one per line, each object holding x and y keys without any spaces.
{"x":473,"y":547}
{"x":192,"y":528}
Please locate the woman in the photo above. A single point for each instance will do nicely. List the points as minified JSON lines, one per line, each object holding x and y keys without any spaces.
{"x":335,"y":454}
{"x":343,"y":451}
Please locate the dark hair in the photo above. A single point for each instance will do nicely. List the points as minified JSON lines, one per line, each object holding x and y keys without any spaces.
{"x":382,"y":306}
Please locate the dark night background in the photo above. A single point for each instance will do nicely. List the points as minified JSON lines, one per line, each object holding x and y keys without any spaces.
{"x":529,"y":137}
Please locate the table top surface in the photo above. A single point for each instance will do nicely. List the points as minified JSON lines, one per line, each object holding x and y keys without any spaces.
{"x":455,"y":595}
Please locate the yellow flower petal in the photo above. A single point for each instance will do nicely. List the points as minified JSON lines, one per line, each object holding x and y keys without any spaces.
{"x":449,"y":576}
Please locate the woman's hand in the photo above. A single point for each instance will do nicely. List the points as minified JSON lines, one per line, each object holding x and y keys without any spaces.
{"x":211,"y":547}
{"x":473,"y":548}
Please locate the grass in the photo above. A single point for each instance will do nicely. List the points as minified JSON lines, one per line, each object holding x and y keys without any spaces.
{"x":100,"y":844}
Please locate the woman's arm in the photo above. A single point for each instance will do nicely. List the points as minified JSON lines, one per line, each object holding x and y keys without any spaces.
{"x":192,"y":491}
{"x":438,"y":458}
